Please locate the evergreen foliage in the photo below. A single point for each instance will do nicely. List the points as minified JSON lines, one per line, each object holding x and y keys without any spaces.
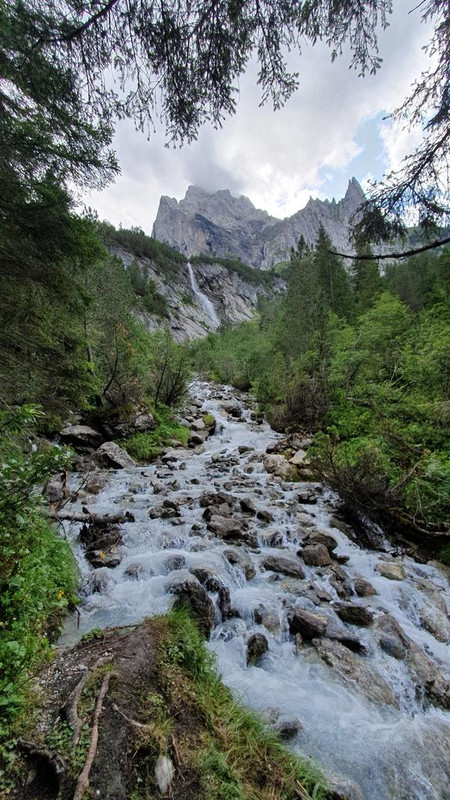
{"x":248,"y":274}
{"x":373,"y":383}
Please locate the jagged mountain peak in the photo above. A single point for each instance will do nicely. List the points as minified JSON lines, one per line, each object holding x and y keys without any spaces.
{"x":218,"y":223}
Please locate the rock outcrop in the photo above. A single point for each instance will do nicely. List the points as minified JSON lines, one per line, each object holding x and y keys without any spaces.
{"x":223,"y":225}
{"x":234,"y":298}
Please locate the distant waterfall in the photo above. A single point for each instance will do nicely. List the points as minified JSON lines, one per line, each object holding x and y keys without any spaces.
{"x":202,"y":299}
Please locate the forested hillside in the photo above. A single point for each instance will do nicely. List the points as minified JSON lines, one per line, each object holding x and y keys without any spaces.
{"x":362,"y":361}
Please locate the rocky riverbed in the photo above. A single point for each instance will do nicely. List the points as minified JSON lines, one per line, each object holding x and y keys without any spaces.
{"x":343,"y":649}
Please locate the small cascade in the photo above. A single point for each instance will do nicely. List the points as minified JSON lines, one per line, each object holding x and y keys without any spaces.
{"x":370,"y":700}
{"x":203,"y":301}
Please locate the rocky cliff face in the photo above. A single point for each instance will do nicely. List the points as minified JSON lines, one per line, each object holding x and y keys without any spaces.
{"x":223,"y":225}
{"x":233,"y":298}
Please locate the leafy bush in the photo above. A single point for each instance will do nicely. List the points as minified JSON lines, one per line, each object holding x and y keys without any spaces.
{"x":37,"y":572}
{"x":144,"y":447}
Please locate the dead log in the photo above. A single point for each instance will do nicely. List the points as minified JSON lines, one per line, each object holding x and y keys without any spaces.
{"x":99,"y":519}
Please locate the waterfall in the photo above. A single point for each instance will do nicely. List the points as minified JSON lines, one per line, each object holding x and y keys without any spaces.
{"x":203,"y":301}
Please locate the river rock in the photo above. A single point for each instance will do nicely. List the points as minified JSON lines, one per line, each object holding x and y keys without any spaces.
{"x":99,"y":580}
{"x":363,"y":588}
{"x":306,"y":623}
{"x":354,"y":614}
{"x":230,"y":529}
{"x":392,"y":570}
{"x":353,"y":671}
{"x":278,"y":466}
{"x":283,"y":564}
{"x":265,"y":516}
{"x":81,"y":437}
{"x":164,"y":774}
{"x":426,"y":675}
{"x":269,"y":619}
{"x":316,"y":537}
{"x":232,"y":408}
{"x":315,"y":555}
{"x":247,"y":505}
{"x":198,"y":425}
{"x":96,"y":535}
{"x":242,"y":560}
{"x":298,"y":458}
{"x":191,"y":595}
{"x":197,"y":438}
{"x":110,"y":456}
{"x":287,"y":729}
{"x":257,"y":645}
{"x":55,"y":489}
{"x":340,"y":789}
{"x":308,"y":494}
{"x":207,"y":577}
{"x":215,"y":499}
{"x":392,"y":638}
{"x":224,"y":510}
{"x":134,"y":570}
{"x":435,"y":623}
{"x":100,"y":558}
{"x":174,"y":562}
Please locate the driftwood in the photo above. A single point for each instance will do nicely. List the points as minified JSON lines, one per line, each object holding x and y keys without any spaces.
{"x":86,"y":516}
{"x":83,"y":778}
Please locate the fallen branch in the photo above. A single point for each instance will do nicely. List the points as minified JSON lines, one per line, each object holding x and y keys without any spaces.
{"x":83,"y":778}
{"x":384,"y":256}
{"x":99,"y":519}
{"x":133,"y":722}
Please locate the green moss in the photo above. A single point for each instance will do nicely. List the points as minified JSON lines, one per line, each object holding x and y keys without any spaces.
{"x":145,"y":447}
{"x":209,"y":420}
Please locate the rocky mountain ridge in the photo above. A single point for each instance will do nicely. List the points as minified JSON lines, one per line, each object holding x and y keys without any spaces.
{"x":222,"y":225}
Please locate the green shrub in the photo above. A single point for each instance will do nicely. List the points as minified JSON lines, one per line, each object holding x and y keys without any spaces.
{"x":38,"y":575}
{"x":145,"y":447}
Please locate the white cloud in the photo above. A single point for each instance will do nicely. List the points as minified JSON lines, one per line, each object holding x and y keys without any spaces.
{"x":277,"y":159}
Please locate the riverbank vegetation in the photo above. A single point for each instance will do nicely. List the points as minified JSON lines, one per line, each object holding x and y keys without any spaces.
{"x":167,"y":721}
{"x":38,"y":577}
{"x":362,"y":361}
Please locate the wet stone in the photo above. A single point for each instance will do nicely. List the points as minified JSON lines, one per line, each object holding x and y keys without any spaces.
{"x":287,"y":566}
{"x":315,"y":555}
{"x":247,"y":505}
{"x":134,"y":571}
{"x":287,"y":729}
{"x":354,"y":614}
{"x":391,"y":570}
{"x":191,"y":595}
{"x":257,"y":646}
{"x":363,"y":588}
{"x":306,"y":623}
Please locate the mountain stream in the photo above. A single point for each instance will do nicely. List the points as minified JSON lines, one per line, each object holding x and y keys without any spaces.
{"x":368,"y":701}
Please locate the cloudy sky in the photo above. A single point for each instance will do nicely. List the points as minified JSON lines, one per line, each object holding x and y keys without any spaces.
{"x":333,"y":128}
